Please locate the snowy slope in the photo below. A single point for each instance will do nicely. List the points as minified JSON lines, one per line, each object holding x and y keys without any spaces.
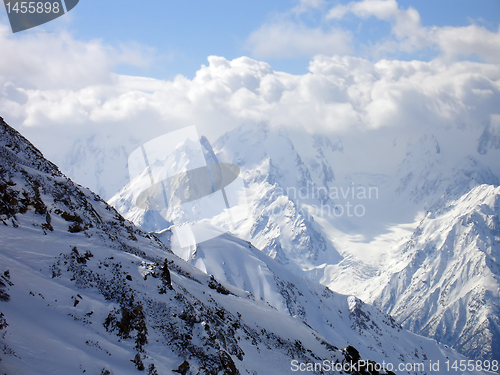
{"x":438,"y":277}
{"x":84,"y":291}
{"x":343,"y":320}
{"x":447,"y":286}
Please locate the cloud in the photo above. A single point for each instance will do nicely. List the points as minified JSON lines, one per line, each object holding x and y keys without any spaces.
{"x":455,"y":42}
{"x":339,"y":94}
{"x":72,"y":83}
{"x":310,"y":28}
{"x":338,"y":12}
{"x":69,"y":102}
{"x":57,"y":60}
{"x":408,"y":34}
{"x":307,"y":5}
{"x":287,"y":39}
{"x":382,"y":9}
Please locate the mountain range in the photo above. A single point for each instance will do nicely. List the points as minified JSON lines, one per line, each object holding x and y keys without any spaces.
{"x":302,"y":213}
{"x":85,"y":291}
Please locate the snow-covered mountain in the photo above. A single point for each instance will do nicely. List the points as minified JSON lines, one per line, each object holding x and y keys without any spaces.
{"x":340,"y":319}
{"x":279,"y":224}
{"x":427,"y":179}
{"x":447,"y":283}
{"x":442,"y":281}
{"x":100,"y":161}
{"x":84,"y":291}
{"x":439,"y":276}
{"x":296,"y":187}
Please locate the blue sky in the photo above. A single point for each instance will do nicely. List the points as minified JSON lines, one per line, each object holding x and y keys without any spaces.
{"x":175,"y":37}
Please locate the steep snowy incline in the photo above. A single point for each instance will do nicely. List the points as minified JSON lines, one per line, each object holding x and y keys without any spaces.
{"x":446,"y":284}
{"x":339,"y":318}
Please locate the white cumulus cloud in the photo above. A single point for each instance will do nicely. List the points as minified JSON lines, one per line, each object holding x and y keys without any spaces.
{"x":408,"y":34}
{"x":58,"y":102}
{"x":287,"y":39}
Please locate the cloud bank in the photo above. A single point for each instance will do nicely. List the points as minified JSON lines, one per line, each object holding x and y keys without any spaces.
{"x":339,"y":94}
{"x":69,"y":93}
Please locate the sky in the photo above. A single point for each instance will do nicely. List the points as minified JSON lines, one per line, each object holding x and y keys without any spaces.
{"x":175,"y":37}
{"x":112,"y":74}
